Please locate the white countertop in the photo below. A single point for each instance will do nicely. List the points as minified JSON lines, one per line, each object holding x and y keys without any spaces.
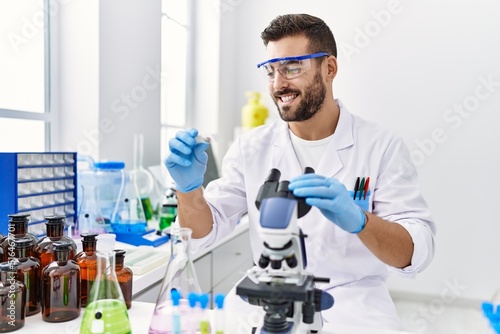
{"x":140,"y":316}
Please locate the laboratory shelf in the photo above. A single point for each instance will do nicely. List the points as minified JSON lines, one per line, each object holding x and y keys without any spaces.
{"x":39,"y":183}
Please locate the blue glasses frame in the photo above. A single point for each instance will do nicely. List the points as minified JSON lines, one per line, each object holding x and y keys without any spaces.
{"x":309,"y":56}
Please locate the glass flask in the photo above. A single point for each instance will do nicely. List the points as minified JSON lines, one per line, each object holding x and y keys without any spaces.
{"x":87,"y":261}
{"x":89,"y":218}
{"x":61,"y":286}
{"x":128,"y":215}
{"x":55,"y":232}
{"x":106,"y":311}
{"x":12,"y":301}
{"x":124,"y":275}
{"x":143,"y":178}
{"x":18,"y":228}
{"x":180,"y":277}
{"x":29,"y":272}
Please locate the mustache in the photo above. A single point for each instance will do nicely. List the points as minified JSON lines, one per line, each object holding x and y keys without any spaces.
{"x":278,"y":93}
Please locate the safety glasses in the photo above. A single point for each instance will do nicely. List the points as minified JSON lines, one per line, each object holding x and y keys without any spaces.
{"x":289,"y":67}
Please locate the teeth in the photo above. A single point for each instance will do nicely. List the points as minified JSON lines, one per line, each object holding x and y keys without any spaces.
{"x":288,"y":98}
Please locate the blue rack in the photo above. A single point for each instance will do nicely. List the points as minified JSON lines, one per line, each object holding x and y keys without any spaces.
{"x":39,"y":183}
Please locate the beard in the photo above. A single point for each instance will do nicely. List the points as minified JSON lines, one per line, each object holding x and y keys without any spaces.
{"x":312,"y":100}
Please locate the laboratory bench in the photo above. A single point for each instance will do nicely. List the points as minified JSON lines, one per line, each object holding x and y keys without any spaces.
{"x":140,"y":316}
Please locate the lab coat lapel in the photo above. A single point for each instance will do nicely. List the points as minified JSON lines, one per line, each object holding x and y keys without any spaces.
{"x":331,"y":162}
{"x":284,"y":157}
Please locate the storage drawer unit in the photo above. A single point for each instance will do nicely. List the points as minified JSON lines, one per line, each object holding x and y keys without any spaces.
{"x":37,"y":183}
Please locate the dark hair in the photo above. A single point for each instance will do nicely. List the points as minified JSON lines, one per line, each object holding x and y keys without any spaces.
{"x":315,"y":29}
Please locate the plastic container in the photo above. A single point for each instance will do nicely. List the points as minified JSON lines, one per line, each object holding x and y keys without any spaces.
{"x":254,"y":113}
{"x":110,"y":179}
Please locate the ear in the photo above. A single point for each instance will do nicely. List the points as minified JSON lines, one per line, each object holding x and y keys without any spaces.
{"x":332,"y":67}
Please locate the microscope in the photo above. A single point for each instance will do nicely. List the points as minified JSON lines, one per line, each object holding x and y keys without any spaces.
{"x":280,"y":282}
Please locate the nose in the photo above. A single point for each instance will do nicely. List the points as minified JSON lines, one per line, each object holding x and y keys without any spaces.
{"x":279,"y":81}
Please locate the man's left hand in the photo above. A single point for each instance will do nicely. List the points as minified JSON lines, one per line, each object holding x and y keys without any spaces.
{"x":331,"y":198}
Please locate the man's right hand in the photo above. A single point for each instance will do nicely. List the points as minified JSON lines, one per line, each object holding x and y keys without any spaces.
{"x":187,"y":161}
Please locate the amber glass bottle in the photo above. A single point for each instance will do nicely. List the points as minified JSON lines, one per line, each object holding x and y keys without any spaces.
{"x":55,"y":232}
{"x":61,"y":286}
{"x":12,"y":301}
{"x":124,"y":275}
{"x":29,"y":272}
{"x":87,"y":261}
{"x":18,"y":228}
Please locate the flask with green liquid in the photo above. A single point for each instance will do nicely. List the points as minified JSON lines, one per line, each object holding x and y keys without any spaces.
{"x":106,"y":311}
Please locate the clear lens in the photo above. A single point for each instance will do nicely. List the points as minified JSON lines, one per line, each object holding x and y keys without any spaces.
{"x":289,"y":69}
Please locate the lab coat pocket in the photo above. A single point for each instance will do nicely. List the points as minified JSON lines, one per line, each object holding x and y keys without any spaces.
{"x":362,"y":200}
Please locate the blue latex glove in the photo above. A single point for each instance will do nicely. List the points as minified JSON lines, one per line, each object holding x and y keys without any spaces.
{"x":331,"y":198}
{"x":187,"y":161}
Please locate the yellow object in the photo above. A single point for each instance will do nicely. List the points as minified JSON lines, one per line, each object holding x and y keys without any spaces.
{"x":254,"y":113}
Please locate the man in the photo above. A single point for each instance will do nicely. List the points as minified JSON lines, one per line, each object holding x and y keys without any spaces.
{"x":355,"y":246}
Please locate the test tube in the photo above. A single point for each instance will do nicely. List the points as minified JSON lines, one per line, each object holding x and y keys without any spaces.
{"x":204,"y":322}
{"x":219,"y":314}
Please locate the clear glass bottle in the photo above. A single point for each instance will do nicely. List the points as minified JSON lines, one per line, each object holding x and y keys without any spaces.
{"x":18,"y":228}
{"x":87,"y":261}
{"x":12,"y":300}
{"x":106,"y":311}
{"x":124,"y":275}
{"x":29,"y":272}
{"x":61,"y":286}
{"x":55,"y":232}
{"x":181,"y":277}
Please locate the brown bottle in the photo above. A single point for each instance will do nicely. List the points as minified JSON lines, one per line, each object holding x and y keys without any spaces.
{"x":55,"y":232}
{"x":124,"y":275}
{"x":18,"y":228}
{"x":28,"y":272}
{"x":87,"y":260}
{"x":12,"y":301}
{"x":61,"y":286}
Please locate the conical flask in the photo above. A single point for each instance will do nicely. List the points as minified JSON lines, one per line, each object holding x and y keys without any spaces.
{"x":143,"y":178}
{"x":106,"y":311}
{"x":180,"y":277}
{"x":89,"y":218}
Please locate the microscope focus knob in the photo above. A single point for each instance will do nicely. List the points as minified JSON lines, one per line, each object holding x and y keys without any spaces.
{"x":292,"y":261}
{"x":264,"y":261}
{"x":276,"y":264}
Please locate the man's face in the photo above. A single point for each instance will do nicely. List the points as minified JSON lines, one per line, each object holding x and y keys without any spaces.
{"x":300,"y":98}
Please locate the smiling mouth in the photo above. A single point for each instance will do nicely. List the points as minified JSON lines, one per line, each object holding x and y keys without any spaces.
{"x":288,"y":98}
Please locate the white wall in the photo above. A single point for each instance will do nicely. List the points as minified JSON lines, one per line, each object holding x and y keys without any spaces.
{"x":109,"y":78}
{"x":415,"y":66}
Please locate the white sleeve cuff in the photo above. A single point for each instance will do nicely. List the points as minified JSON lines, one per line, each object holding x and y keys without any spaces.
{"x":423,"y":248}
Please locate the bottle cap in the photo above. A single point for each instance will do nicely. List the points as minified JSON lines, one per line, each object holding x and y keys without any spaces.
{"x":219,"y":301}
{"x":88,"y":237}
{"x":61,"y":246}
{"x":120,"y":253}
{"x":19,"y":218}
{"x":203,"y":300}
{"x":55,"y":219}
{"x":192,"y":299}
{"x":107,"y":165}
{"x":176,"y":297}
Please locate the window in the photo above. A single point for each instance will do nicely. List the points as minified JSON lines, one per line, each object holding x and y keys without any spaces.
{"x":24,"y":68}
{"x":175,"y":63}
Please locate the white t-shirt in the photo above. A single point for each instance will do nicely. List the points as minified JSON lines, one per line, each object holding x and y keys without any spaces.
{"x":309,"y":152}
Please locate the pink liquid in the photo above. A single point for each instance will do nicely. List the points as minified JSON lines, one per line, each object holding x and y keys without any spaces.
{"x":163,"y":319}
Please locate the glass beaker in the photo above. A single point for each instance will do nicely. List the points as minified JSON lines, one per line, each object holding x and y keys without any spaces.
{"x":106,"y":311}
{"x":181,"y":277}
{"x":89,"y":218}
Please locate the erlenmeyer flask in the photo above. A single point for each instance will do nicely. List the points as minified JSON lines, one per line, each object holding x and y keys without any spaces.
{"x":89,"y":218}
{"x":106,"y":311}
{"x":181,"y":277}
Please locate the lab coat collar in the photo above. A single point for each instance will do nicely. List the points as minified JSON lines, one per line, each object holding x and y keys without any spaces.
{"x":330,"y":163}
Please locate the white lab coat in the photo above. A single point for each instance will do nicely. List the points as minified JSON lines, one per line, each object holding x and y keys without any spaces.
{"x":358,"y":148}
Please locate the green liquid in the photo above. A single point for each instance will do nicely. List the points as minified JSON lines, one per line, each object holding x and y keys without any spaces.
{"x":106,"y":316}
{"x":147,"y":207}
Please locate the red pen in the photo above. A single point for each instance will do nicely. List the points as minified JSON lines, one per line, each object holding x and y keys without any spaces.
{"x":367,"y":182}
